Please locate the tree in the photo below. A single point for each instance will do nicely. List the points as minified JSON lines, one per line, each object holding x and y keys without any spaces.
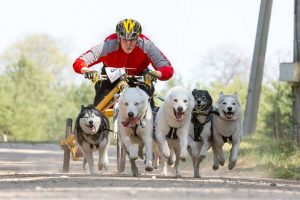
{"x":33,"y":103}
{"x":44,"y":53}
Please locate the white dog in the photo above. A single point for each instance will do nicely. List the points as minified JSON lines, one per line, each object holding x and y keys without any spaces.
{"x":227,"y":128}
{"x":172,"y":125}
{"x":135,"y":123}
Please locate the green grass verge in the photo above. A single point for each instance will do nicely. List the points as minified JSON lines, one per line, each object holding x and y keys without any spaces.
{"x":280,"y":158}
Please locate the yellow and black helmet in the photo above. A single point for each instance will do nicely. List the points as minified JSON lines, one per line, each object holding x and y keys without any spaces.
{"x":128,"y":29}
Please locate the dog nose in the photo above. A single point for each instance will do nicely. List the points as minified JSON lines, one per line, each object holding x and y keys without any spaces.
{"x":198,"y":101}
{"x":91,"y":122}
{"x":229,"y":108}
{"x":130,"y":114}
{"x":180,"y":109}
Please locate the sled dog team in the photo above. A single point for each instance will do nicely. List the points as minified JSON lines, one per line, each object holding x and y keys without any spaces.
{"x":187,"y":122}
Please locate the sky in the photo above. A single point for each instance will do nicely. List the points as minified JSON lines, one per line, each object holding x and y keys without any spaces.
{"x":184,"y":30}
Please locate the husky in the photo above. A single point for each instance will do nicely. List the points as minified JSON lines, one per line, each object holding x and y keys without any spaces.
{"x":200,"y":134}
{"x":227,"y":127}
{"x":91,"y":132}
{"x":172,"y":125}
{"x":135,"y":124}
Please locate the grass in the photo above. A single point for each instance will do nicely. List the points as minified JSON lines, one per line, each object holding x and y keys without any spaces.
{"x":280,"y":158}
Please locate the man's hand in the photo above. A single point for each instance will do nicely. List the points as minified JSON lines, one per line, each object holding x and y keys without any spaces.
{"x":91,"y":75}
{"x":152,"y":76}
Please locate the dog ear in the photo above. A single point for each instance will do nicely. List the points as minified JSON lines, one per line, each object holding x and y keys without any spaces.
{"x":194,"y":91}
{"x":82,"y":107}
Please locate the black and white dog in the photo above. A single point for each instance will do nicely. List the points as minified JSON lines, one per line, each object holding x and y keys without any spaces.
{"x":91,"y":132}
{"x":200,"y":133}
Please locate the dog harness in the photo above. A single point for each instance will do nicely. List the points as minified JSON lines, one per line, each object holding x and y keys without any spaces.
{"x":198,"y":127}
{"x":172,"y":134}
{"x":225,"y":139}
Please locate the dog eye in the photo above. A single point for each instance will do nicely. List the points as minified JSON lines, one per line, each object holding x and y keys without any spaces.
{"x":233,"y":104}
{"x":136,"y":103}
{"x":175,"y":100}
{"x":224,"y":103}
{"x":185,"y":101}
{"x":126,"y":104}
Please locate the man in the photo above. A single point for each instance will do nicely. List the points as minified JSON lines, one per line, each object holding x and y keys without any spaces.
{"x":128,"y":48}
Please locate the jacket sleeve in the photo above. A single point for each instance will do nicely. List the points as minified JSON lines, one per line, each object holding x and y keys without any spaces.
{"x":88,"y":59}
{"x":166,"y":72}
{"x":159,"y":60}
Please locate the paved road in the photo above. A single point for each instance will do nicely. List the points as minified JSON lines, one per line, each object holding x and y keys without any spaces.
{"x":30,"y":171}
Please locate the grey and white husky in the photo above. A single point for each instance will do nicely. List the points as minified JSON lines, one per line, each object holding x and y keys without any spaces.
{"x":91,"y":132}
{"x":200,"y":134}
{"x":227,"y":127}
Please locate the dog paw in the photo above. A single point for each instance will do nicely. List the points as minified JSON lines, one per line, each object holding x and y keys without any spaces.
{"x":222,"y":162}
{"x":215,"y":167}
{"x":164,"y":173}
{"x":182,"y":158}
{"x":178,"y":175}
{"x":231,"y":165}
{"x":100,"y":166}
{"x":135,"y":173}
{"x":148,"y":166}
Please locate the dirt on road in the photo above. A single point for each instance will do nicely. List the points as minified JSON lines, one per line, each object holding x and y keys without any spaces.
{"x":34,"y":171}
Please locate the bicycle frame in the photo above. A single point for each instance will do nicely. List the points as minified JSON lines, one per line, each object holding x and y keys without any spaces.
{"x":119,"y":87}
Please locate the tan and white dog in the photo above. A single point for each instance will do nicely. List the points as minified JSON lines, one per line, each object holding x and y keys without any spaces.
{"x":135,"y":123}
{"x":172,"y":125}
{"x":227,"y":127}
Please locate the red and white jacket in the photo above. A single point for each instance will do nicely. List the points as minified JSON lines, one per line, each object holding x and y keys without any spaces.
{"x":111,"y":54}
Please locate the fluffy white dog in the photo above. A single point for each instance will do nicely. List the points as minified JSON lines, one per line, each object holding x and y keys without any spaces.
{"x":172,"y":125}
{"x":227,"y":127}
{"x":135,"y":123}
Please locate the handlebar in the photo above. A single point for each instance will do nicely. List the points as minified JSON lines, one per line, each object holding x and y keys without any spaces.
{"x":147,"y":78}
{"x":105,"y":77}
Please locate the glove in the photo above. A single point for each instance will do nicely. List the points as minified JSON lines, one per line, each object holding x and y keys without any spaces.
{"x":91,"y":75}
{"x":151,"y":76}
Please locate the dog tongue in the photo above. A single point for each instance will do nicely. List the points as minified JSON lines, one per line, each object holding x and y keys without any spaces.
{"x":130,"y":121}
{"x":179,"y":116}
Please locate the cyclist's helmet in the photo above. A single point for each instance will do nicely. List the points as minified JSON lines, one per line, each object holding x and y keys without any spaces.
{"x":128,"y":29}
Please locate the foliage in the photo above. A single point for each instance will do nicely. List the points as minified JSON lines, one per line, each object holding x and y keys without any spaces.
{"x":280,"y":159}
{"x":33,"y":105}
{"x":275,"y":110}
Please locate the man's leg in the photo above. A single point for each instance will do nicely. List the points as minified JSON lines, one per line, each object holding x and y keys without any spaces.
{"x":102,"y":88}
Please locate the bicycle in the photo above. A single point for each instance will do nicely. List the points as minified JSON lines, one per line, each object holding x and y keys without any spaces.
{"x":68,"y":144}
